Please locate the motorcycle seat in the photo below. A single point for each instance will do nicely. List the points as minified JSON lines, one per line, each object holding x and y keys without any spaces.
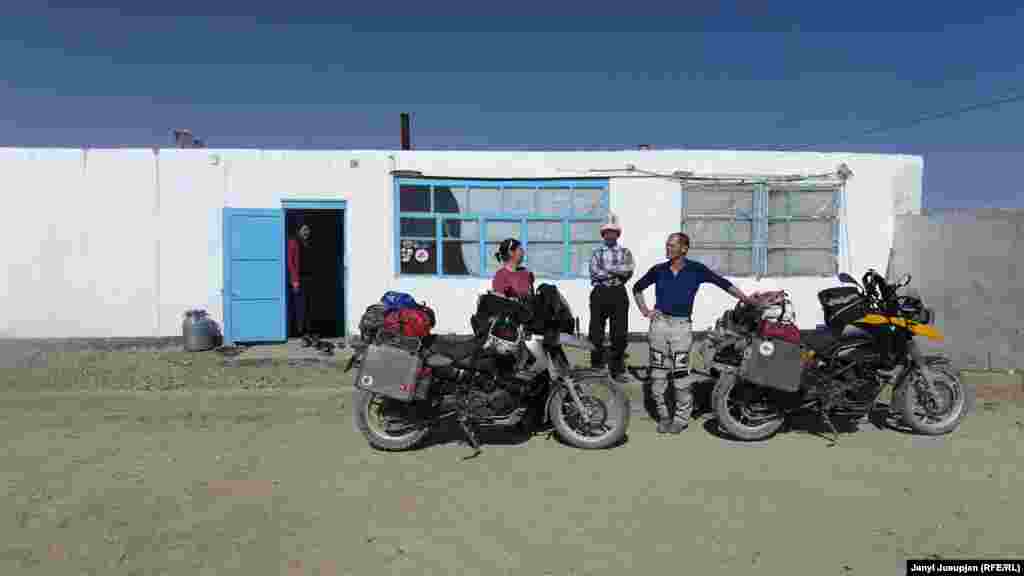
{"x":455,"y":347}
{"x":824,"y":341}
{"x":819,"y":340}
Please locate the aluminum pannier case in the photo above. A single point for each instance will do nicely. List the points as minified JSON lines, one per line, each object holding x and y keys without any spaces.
{"x":389,"y":371}
{"x":772,"y":363}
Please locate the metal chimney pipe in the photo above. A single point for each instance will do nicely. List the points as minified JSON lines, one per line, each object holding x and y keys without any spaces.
{"x":406,"y":143}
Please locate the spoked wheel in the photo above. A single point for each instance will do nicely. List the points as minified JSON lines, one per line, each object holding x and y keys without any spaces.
{"x":387,"y":424}
{"x":608,"y":414}
{"x":743,"y":410}
{"x":933,"y":414}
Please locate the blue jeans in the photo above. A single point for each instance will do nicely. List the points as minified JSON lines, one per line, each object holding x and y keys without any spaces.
{"x":300,"y":307}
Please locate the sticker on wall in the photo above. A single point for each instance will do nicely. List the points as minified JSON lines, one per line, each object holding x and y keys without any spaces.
{"x":422,"y":255}
{"x":406,"y":251}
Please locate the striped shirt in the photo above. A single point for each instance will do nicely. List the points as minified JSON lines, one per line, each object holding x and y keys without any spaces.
{"x":611,"y":266}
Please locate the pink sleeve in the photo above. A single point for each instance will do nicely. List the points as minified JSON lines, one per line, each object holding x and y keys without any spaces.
{"x":500,"y":281}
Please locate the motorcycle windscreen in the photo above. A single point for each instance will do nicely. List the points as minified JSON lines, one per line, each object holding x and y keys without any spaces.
{"x":772,"y":364}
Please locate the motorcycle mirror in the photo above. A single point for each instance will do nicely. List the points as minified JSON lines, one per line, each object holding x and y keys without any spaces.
{"x":846,"y":278}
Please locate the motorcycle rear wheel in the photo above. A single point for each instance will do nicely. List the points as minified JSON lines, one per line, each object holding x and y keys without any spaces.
{"x":378,"y":435}
{"x":723,"y":401}
{"x":562,"y":412}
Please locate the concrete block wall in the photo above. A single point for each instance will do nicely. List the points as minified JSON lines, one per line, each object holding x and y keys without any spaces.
{"x":967,"y":266}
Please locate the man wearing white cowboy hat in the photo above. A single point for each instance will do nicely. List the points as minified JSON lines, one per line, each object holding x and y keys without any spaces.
{"x":611,"y":266}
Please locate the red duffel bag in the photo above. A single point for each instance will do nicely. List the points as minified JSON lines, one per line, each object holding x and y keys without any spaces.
{"x":781,"y":331}
{"x":411,"y":322}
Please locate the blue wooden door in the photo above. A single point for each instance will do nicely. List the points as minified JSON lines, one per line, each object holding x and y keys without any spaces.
{"x":255,"y":305}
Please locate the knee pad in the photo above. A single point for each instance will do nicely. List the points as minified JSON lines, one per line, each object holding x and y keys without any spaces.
{"x":658,"y":360}
{"x":679,"y":376}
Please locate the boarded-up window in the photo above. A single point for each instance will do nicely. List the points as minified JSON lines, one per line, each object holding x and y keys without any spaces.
{"x":719,"y":219}
{"x":802,"y":230}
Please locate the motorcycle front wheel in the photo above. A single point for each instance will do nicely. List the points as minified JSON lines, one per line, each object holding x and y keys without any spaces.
{"x":742,"y":410}
{"x":387,"y":424}
{"x":933,"y":416}
{"x":608,"y":415}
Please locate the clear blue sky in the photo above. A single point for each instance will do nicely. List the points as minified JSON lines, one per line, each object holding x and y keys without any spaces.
{"x":554,"y":75}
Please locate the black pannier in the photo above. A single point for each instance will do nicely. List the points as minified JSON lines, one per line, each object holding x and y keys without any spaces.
{"x":490,"y":306}
{"x":843,"y":305}
{"x":372,"y":322}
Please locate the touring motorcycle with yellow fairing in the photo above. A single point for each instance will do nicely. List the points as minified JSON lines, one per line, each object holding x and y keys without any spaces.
{"x":868,"y":344}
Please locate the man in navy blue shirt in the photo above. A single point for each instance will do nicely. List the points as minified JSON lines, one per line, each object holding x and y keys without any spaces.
{"x":669,"y":337}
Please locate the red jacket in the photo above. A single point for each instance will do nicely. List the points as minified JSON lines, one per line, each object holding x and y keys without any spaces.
{"x":293,"y":260}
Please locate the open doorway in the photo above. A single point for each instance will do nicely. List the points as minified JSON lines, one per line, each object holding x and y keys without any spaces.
{"x":321,"y":271}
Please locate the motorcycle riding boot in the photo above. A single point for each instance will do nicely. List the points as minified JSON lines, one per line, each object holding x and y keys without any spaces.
{"x":684,"y":404}
{"x":664,"y":418}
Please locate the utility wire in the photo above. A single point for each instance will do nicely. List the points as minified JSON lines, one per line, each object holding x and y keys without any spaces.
{"x":922,"y":119}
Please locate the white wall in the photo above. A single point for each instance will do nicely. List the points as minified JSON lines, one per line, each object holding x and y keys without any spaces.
{"x":118,"y":243}
{"x":649,"y":209}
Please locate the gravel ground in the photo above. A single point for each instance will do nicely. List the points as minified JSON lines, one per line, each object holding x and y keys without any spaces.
{"x":162,"y":462}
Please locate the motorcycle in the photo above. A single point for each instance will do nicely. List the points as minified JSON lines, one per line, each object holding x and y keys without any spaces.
{"x":766,"y":375}
{"x":513,"y":372}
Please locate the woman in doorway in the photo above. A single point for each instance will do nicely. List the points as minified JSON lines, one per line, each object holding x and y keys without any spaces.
{"x":300,"y":280}
{"x":512,"y":279}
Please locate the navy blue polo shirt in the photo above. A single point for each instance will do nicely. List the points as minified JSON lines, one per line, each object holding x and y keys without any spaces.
{"x":674,"y":292}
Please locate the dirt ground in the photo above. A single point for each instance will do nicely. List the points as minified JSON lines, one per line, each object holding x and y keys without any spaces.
{"x":142,"y":462}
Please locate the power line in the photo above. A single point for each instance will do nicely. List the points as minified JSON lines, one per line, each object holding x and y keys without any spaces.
{"x":922,"y":119}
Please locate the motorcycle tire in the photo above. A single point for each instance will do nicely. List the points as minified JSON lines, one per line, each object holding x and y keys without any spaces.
{"x":620,"y":404}
{"x":375,"y":435}
{"x":905,"y":401}
{"x":728,"y":423}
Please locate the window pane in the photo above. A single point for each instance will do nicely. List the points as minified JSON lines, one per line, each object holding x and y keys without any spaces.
{"x":543,"y":231}
{"x":450,"y":200}
{"x":579,"y":258}
{"x":801,"y":233}
{"x":418,"y":257}
{"x":588,"y":202}
{"x":498,"y":231}
{"x":545,"y":259}
{"x":461,"y":258}
{"x":586,"y":231}
{"x":731,"y":199}
{"x":801,"y":263}
{"x":718,"y":231}
{"x":724,"y":262}
{"x":517,"y":200}
{"x":815,"y":204}
{"x":414,"y":198}
{"x":485,"y":200}
{"x":420,"y":227}
{"x":554,"y":201}
{"x":461,"y":229}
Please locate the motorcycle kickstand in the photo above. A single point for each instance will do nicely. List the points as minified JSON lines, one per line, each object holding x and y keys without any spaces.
{"x":828,"y":422}
{"x":471,"y":438}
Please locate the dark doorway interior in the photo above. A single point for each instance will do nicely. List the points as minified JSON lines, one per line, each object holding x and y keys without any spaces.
{"x":323,"y":260}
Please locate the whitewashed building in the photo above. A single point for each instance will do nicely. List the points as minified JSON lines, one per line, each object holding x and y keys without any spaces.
{"x":119,"y":243}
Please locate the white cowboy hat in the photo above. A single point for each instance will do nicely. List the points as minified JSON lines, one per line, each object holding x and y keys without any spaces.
{"x":612,"y":224}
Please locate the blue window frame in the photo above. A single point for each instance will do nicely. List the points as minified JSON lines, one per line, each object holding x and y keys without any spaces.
{"x":764,"y":229}
{"x":452,"y":227}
